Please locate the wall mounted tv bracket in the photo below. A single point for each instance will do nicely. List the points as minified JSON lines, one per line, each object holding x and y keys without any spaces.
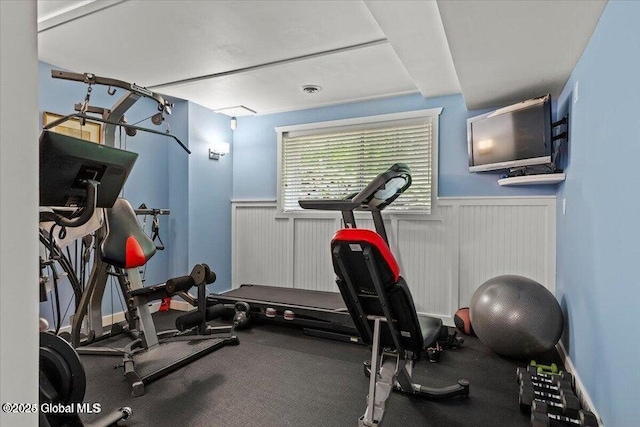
{"x":114,"y":117}
{"x":561,"y":137}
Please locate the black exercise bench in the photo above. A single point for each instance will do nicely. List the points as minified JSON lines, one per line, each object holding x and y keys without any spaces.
{"x":369,"y":280}
{"x":123,"y":248}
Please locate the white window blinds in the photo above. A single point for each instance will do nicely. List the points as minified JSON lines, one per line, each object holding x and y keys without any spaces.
{"x":337,"y":162}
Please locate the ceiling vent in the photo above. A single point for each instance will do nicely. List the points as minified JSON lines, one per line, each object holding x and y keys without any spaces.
{"x":311,"y":89}
{"x":237,"y":111}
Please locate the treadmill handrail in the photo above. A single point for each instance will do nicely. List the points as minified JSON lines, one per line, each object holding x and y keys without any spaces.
{"x":362,"y":200}
{"x":396,"y":170}
{"x":329,"y":204}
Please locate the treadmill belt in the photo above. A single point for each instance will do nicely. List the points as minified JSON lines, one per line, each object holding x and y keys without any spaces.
{"x":290,"y":296}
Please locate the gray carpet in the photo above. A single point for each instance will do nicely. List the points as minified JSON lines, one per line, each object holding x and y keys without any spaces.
{"x":278,"y":376}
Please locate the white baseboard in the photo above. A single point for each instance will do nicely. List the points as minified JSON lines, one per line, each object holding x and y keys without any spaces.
{"x":581,"y":391}
{"x":107,"y":320}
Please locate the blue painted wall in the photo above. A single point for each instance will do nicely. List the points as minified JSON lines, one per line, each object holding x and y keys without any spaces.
{"x":598,"y":239}
{"x":210,"y":194}
{"x":255,"y":147}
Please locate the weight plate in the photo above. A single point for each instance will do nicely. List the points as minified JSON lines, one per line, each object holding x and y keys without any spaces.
{"x":61,"y":365}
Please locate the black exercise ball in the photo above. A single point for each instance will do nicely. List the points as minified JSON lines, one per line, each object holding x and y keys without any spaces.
{"x":516,"y":317}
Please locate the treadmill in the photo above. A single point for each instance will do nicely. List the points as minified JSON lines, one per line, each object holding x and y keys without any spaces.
{"x":319,"y":313}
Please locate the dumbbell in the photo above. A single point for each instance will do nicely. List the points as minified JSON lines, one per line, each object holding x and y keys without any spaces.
{"x":555,"y":385}
{"x":540,"y":417}
{"x":547,"y":369}
{"x":433,"y":353}
{"x":550,"y":388}
{"x":551,"y":392}
{"x":523,"y":374}
{"x":530,"y":370}
{"x":551,"y":370}
{"x":242,"y":316}
{"x":567,"y":402}
{"x":535,"y":370}
{"x":449,"y":341}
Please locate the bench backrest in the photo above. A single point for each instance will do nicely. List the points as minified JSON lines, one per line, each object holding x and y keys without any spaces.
{"x":369,"y":280}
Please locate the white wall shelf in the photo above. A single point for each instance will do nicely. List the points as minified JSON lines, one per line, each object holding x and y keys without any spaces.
{"x":548,"y":179}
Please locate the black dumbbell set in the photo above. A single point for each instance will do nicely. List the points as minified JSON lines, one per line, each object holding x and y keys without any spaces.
{"x":563,"y":400}
{"x":542,"y":417}
{"x":544,"y":383}
{"x":551,"y":400}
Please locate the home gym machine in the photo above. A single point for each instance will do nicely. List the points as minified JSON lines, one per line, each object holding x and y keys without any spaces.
{"x":71,"y":171}
{"x":113,"y":119}
{"x":375,"y":294}
{"x":121,"y":246}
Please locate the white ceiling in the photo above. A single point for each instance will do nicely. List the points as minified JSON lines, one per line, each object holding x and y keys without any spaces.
{"x":505,"y":51}
{"x":258,"y":54}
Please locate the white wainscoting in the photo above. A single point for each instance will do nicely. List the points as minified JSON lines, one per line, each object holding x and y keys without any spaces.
{"x":444,"y":258}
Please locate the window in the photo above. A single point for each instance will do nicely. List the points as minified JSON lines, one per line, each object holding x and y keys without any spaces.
{"x":336,"y":159}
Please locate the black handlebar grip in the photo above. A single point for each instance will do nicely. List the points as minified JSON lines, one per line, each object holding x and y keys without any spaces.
{"x":179,"y":284}
{"x":193,"y":319}
{"x":92,"y":198}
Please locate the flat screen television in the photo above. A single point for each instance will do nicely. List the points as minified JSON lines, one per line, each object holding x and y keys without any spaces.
{"x":514,"y":136}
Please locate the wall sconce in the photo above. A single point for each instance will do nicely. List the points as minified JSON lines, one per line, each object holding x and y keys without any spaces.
{"x":218,"y":150}
{"x":234,"y":123}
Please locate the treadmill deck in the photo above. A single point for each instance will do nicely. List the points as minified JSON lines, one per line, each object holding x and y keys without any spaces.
{"x":289,"y":296}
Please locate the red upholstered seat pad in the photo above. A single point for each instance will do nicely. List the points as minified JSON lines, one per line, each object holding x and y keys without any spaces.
{"x":355,"y":235}
{"x":134,"y":254}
